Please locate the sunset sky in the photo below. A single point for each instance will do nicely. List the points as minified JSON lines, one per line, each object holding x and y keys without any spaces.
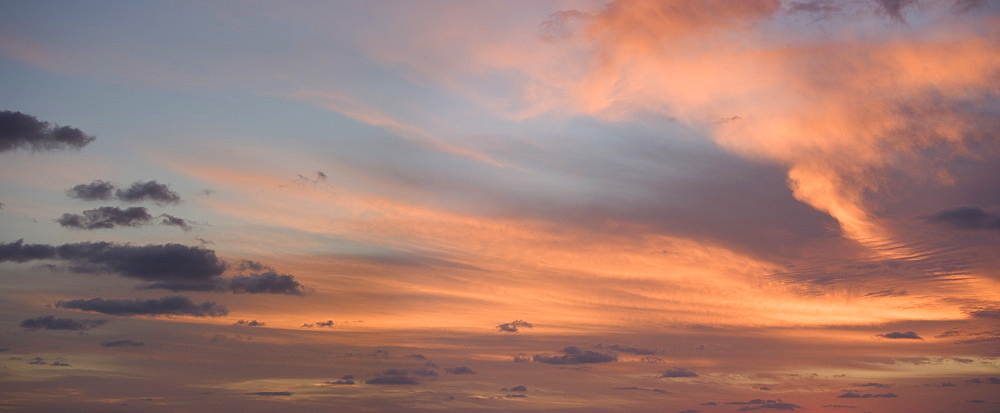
{"x":581,"y":206}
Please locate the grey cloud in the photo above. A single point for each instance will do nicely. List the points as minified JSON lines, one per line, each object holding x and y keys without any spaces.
{"x":900,"y":335}
{"x":106,"y":218}
{"x":633,"y":350}
{"x":346,"y":379}
{"x":123,"y":343}
{"x":19,"y":130}
{"x":411,"y":356}
{"x":894,"y":8}
{"x":266,"y":283}
{"x":460,"y":370}
{"x":327,"y":323}
{"x":512,"y":326}
{"x":171,"y":220}
{"x":844,"y":406}
{"x":986,"y":313}
{"x":642,"y":389}
{"x":48,"y":322}
{"x":853,"y":395}
{"x":171,"y":305}
{"x":94,"y":191}
{"x":991,"y":380}
{"x":760,"y":404}
{"x":249,"y":323}
{"x":573,"y":355}
{"x":393,"y":380}
{"x":965,"y":217}
{"x":151,"y":191}
{"x":426,"y":372}
{"x":678,"y":372}
{"x":17,"y":251}
{"x":269,"y":393}
{"x":519,"y":389}
{"x":870,"y":384}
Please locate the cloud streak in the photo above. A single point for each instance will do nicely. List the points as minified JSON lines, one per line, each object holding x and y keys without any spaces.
{"x":166,"y":306}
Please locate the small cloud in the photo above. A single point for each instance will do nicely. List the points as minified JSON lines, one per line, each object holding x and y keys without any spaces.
{"x":573,"y":355}
{"x":899,"y":335}
{"x":416,"y":356}
{"x":993,"y":313}
{"x":123,"y":343}
{"x":842,"y":406}
{"x":173,"y":221}
{"x":48,"y":322}
{"x":642,"y":389}
{"x":870,"y":384}
{"x":58,"y":363}
{"x":853,"y":395}
{"x":518,"y":389}
{"x":148,"y":191}
{"x":678,"y":372}
{"x":37,"y":360}
{"x":319,"y":324}
{"x":393,"y":380}
{"x":968,"y":218}
{"x":460,"y":370}
{"x":172,"y":305}
{"x":95,"y":191}
{"x":106,"y":218}
{"x":19,"y":130}
{"x":512,"y":327}
{"x":633,"y":350}
{"x":249,"y":323}
{"x":991,"y":380}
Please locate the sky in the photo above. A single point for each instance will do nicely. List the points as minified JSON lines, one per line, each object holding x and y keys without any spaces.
{"x":574,"y":206}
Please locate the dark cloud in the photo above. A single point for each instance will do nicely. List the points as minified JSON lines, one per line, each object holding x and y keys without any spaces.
{"x":270,"y":393}
{"x":760,"y":404}
{"x":19,"y":130}
{"x":820,"y":8}
{"x":346,"y":379}
{"x":689,"y":411}
{"x":886,"y":293}
{"x":853,"y":395}
{"x":396,"y":372}
{"x":678,"y":372}
{"x":327,"y":323}
{"x":175,"y":222}
{"x":900,"y":335}
{"x":123,"y":343}
{"x":37,"y":360}
{"x":894,"y":8}
{"x":870,"y":384}
{"x":147,"y":262}
{"x":844,"y":406}
{"x":967,"y":218}
{"x":512,"y":326}
{"x":573,"y":355}
{"x":58,"y":363}
{"x":48,"y":322}
{"x":411,"y":356}
{"x":95,"y":191}
{"x":991,"y":380}
{"x":460,"y":370}
{"x":106,"y":218}
{"x":986,"y":313}
{"x":249,"y":323}
{"x":633,"y":350}
{"x":148,"y":191}
{"x":393,"y":380}
{"x":17,"y":251}
{"x":266,"y":283}
{"x":426,"y":371}
{"x":172,"y":305}
{"x":517,"y":389}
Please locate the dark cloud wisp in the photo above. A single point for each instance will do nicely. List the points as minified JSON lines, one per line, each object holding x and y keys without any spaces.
{"x":48,"y":322}
{"x":19,"y":130}
{"x":172,"y":305}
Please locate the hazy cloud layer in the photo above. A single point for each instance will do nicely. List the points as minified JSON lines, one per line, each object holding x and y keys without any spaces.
{"x":172,"y":305}
{"x":48,"y":322}
{"x":19,"y":130}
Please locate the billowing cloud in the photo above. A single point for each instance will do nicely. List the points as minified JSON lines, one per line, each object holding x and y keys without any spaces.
{"x":900,"y":335}
{"x":94,"y":191}
{"x":678,"y":372}
{"x":106,"y":217}
{"x":967,"y":218}
{"x":459,"y":370}
{"x":127,"y":342}
{"x":573,"y":355}
{"x":171,"y":305}
{"x":19,"y":130}
{"x":512,"y":326}
{"x":148,"y":191}
{"x":48,"y":322}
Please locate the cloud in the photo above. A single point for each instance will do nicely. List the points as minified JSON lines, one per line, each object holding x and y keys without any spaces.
{"x":633,"y":350}
{"x":151,"y":191}
{"x":48,"y":322}
{"x":844,"y":406}
{"x":853,"y":395}
{"x":760,"y":404}
{"x":265,"y":283}
{"x":678,"y":372}
{"x":517,"y":389}
{"x":899,"y":335}
{"x":642,"y":389}
{"x":346,"y":379}
{"x":894,"y":8}
{"x":393,"y":380}
{"x":269,"y":393}
{"x":19,"y":130}
{"x":106,"y":218}
{"x":171,"y":305}
{"x":512,"y":326}
{"x":94,"y":191}
{"x":175,"y":222}
{"x":18,"y":252}
{"x":460,"y":370}
{"x":573,"y":355}
{"x":246,"y":323}
{"x":990,"y":380}
{"x":967,"y":218}
{"x":123,"y":343}
{"x":327,"y":323}
{"x":870,"y":384}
